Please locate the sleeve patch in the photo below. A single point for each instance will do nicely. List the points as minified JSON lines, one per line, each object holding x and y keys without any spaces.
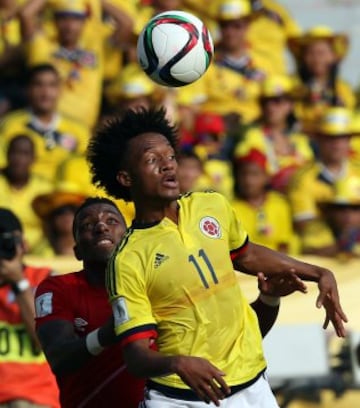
{"x":120,"y":311}
{"x":44,"y":305}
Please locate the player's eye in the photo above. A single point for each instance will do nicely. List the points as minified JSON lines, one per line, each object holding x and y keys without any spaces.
{"x":86,"y":226}
{"x":112,"y":221}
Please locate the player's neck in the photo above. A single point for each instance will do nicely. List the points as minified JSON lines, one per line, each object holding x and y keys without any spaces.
{"x":95,"y":273}
{"x":147,"y":214}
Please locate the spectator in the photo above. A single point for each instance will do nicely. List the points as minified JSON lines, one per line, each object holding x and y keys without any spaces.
{"x":233,"y":79}
{"x":265,"y":213}
{"x":315,"y":182}
{"x":210,"y":146}
{"x":73,"y":308}
{"x":12,"y":61}
{"x":75,"y":171}
{"x":26,"y":379}
{"x":340,"y":235}
{"x":81,"y":65}
{"x":318,"y":54}
{"x":56,"y":211}
{"x":268,"y":34}
{"x":19,"y":186}
{"x":191,"y":173}
{"x":276,"y":133}
{"x":54,"y":135}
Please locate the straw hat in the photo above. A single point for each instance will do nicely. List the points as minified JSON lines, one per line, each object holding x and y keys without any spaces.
{"x":275,"y":86}
{"x":339,"y":41}
{"x":336,"y":121}
{"x":64,"y":194}
{"x":347,"y":193}
{"x":233,"y":10}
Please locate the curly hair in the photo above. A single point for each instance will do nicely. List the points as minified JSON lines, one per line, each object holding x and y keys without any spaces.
{"x":108,"y":149}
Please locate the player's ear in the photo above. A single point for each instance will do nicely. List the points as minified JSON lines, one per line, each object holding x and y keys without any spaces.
{"x":77,"y":253}
{"x":123,"y":177}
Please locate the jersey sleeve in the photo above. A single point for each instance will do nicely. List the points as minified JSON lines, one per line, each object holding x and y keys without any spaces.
{"x":127,"y":288}
{"x":51,"y":301}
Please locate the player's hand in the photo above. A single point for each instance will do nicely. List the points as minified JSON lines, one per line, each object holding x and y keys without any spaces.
{"x":329,"y":299}
{"x":280,"y":285}
{"x":202,"y":377}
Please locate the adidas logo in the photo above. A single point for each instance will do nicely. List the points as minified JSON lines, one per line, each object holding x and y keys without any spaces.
{"x":159,"y":259}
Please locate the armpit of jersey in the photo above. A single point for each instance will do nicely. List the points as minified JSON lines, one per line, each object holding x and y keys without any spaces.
{"x":238,"y":251}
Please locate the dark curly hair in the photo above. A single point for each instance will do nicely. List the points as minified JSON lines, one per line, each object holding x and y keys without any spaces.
{"x":108,"y":149}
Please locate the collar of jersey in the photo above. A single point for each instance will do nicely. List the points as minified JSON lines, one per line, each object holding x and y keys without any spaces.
{"x":144,"y":225}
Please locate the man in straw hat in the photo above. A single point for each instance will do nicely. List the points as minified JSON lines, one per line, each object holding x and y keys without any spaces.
{"x":232,"y":81}
{"x":315,"y":181}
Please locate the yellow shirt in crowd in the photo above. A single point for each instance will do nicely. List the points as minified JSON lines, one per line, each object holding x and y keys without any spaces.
{"x":51,"y":148}
{"x":271,"y":224}
{"x":19,"y":201}
{"x":81,"y":71}
{"x":311,"y":185}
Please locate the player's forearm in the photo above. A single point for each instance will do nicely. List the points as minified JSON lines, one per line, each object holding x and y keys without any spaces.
{"x":144,"y":362}
{"x":261,"y":259}
{"x":266,"y":315}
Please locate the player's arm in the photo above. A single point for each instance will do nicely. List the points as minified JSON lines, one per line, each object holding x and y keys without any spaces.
{"x":65,"y":350}
{"x":271,"y":290}
{"x":257,"y":258}
{"x":199,"y":374}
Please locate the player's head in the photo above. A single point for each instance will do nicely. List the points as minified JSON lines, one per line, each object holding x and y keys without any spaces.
{"x":133,"y":157}
{"x":98,"y":227}
{"x":43,"y":88}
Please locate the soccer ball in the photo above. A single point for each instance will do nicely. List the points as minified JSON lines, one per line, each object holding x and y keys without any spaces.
{"x":175,"y":48}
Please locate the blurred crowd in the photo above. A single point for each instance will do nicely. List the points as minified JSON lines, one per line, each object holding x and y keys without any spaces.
{"x":283,"y":146}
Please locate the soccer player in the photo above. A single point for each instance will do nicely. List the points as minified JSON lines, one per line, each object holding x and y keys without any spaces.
{"x":73,"y":318}
{"x":172,"y":277}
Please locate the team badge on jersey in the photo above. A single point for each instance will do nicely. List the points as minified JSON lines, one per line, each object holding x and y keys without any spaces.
{"x":43,"y":304}
{"x":210,"y":227}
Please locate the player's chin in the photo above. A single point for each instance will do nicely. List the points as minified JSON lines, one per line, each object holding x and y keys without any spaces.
{"x":170,"y":194}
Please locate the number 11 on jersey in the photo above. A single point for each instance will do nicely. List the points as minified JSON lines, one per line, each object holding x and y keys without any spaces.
{"x":202,"y":255}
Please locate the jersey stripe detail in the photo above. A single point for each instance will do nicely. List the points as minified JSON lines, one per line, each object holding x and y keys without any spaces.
{"x":239,"y":251}
{"x":145,"y":331}
{"x":111,"y":268}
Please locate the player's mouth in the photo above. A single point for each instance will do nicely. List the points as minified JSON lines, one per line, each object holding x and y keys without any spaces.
{"x":104,"y":242}
{"x":170,"y":181}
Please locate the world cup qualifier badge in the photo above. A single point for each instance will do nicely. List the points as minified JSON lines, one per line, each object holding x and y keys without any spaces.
{"x":210,"y":227}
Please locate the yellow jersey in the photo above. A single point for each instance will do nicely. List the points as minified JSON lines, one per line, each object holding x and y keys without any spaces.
{"x":20,"y":200}
{"x":176,"y":283}
{"x":228,"y":91}
{"x":268,"y":34}
{"x":271,"y":224}
{"x":311,"y":105}
{"x":62,"y":137}
{"x":258,"y":137}
{"x":313,"y":184}
{"x":81,"y":71}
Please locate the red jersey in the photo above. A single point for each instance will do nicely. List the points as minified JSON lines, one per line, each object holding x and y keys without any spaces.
{"x":24,"y":371}
{"x":103,"y":381}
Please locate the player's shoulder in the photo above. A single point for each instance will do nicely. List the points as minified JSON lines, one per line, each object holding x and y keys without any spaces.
{"x":206,"y":194}
{"x":59,"y":282}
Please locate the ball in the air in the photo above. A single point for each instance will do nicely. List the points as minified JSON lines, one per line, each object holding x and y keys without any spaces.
{"x":175,"y":48}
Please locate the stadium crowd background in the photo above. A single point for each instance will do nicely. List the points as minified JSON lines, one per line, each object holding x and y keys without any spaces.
{"x":283,"y":145}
